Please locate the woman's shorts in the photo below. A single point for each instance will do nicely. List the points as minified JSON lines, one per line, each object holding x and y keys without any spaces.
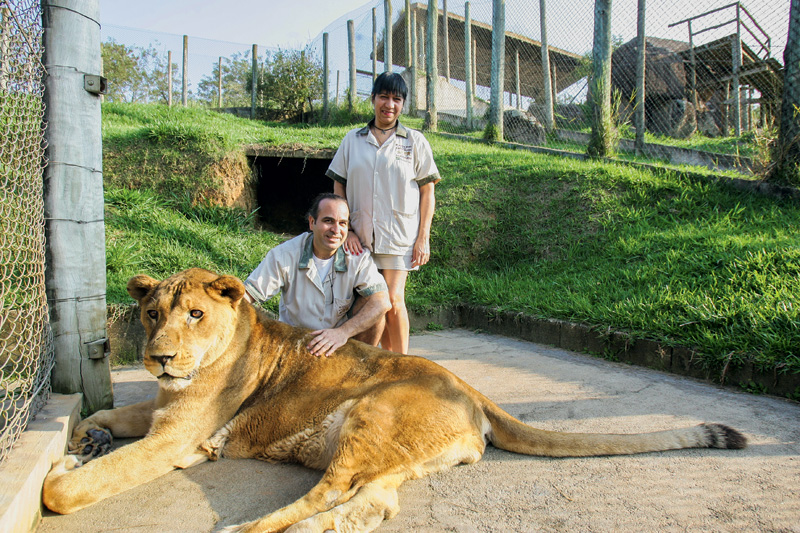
{"x":394,"y":262}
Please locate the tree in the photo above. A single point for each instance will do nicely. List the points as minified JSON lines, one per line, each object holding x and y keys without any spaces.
{"x":236,"y":79}
{"x":135,"y":74}
{"x":290,"y":84}
{"x":787,"y":152}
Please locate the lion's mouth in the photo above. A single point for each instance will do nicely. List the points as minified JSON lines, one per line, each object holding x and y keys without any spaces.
{"x":169,"y":377}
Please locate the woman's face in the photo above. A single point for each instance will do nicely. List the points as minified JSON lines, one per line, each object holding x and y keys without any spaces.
{"x":388,"y":107}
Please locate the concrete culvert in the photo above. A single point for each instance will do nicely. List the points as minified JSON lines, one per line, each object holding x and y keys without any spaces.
{"x":285,"y":185}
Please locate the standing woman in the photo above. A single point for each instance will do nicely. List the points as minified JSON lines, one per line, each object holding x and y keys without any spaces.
{"x":387,"y":173}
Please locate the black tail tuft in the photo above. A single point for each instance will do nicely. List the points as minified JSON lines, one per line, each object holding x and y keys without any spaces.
{"x":722,"y":436}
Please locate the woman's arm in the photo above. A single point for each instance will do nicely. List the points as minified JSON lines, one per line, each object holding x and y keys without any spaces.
{"x":427,"y":204}
{"x":353,"y":243}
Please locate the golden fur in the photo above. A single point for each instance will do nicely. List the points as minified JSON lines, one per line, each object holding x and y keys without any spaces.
{"x":234,"y":383}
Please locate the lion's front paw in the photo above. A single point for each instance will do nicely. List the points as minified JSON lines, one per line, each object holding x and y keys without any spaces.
{"x":90,"y":443}
{"x":213,"y":446}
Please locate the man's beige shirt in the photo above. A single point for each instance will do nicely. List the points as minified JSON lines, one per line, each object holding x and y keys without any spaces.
{"x":383,"y":186}
{"x":305,"y":301}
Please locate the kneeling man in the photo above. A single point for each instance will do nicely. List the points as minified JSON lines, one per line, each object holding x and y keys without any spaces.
{"x":319,"y":282}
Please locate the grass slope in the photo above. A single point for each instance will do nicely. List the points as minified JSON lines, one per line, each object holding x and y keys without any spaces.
{"x":658,"y":254}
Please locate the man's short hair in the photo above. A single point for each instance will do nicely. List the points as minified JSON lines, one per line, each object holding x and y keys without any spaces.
{"x":390,"y":82}
{"x":313,"y":212}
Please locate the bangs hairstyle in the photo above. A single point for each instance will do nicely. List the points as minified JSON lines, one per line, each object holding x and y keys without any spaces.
{"x":392,"y":83}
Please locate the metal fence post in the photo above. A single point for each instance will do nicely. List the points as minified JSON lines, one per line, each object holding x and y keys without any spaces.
{"x":431,"y":67}
{"x":325,"y":76}
{"x":73,"y":191}
{"x":387,"y":36}
{"x":600,"y":143}
{"x":374,"y":43}
{"x":498,"y":70}
{"x":640,"y":77}
{"x":547,"y":82}
{"x":185,"y":76}
{"x":254,"y":85}
{"x":468,"y":72}
{"x":351,"y":50}
{"x":169,"y":78}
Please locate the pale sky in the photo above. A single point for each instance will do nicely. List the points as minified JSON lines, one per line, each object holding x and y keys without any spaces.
{"x":272,"y":23}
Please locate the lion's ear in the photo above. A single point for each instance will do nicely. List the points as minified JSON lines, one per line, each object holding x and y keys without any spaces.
{"x":140,"y":286}
{"x":228,"y":287}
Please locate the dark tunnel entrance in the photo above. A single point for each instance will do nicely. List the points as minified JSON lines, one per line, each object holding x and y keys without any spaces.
{"x":285,"y":187}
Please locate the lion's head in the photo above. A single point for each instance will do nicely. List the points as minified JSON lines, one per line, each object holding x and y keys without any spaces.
{"x":189,"y":319}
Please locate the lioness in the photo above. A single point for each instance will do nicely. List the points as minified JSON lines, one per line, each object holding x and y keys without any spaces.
{"x":234,"y":383}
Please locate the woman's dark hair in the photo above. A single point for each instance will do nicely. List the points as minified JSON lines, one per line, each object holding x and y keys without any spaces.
{"x":390,"y":82}
{"x":313,"y":212}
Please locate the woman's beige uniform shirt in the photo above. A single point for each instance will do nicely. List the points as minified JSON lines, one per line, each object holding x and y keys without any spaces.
{"x":383,"y":186}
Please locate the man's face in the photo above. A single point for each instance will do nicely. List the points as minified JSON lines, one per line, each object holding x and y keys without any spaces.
{"x":330,"y":228}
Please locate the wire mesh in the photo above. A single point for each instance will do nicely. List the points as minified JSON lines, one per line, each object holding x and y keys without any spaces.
{"x":712,"y":67}
{"x":26,"y":353}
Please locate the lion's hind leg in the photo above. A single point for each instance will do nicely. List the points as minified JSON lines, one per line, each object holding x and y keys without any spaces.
{"x":372,"y":504}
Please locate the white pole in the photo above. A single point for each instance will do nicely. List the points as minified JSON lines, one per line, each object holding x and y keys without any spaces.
{"x":73,"y":190}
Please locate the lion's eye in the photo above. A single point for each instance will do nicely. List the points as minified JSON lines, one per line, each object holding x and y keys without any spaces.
{"x":152,"y":314}
{"x":196,"y":313}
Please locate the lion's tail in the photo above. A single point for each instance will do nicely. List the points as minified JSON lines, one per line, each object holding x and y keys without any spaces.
{"x":510,"y":434}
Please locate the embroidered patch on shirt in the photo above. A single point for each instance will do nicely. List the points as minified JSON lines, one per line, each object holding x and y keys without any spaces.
{"x":403,"y":152}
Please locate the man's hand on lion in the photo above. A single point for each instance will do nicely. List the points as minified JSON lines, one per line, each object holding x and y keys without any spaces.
{"x":327,"y":341}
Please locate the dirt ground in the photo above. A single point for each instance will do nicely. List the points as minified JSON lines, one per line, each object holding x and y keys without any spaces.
{"x":755,"y":489}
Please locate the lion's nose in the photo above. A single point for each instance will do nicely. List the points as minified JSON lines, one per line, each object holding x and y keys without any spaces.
{"x":162,"y":359}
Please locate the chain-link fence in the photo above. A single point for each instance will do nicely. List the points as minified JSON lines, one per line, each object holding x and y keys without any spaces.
{"x":712,"y":68}
{"x":26,"y":355}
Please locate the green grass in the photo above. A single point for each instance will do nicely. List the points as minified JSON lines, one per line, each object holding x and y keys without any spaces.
{"x":680,"y":259}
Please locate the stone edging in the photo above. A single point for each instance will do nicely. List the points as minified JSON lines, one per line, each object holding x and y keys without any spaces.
{"x":607,"y":343}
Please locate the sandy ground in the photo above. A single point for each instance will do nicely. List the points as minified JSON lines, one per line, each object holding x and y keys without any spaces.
{"x":756,"y":489}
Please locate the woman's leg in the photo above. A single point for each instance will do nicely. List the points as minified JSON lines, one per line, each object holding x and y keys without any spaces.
{"x":395,"y":334}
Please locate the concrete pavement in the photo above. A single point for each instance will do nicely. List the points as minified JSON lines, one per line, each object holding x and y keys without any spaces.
{"x":709,"y":490}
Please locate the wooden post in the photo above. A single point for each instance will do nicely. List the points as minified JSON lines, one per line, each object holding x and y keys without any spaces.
{"x":446,"y":44}
{"x":351,"y":54}
{"x":498,"y":70}
{"x":185,"y":81}
{"x":387,"y":36}
{"x":641,"y":58}
{"x":411,"y":50}
{"x":474,"y":65}
{"x":254,"y":85}
{"x":693,"y":77}
{"x":169,"y":78}
{"x":600,"y":143}
{"x":75,"y":275}
{"x":548,"y":85}
{"x":326,"y":91}
{"x":422,"y":42}
{"x":219,"y":83}
{"x":518,"y":91}
{"x":737,"y":67}
{"x":432,"y":68}
{"x":468,"y":73}
{"x":374,"y":44}
{"x":726,"y":110}
{"x":554,"y":82}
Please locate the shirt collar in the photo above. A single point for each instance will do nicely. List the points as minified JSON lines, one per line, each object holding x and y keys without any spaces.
{"x":339,"y":263}
{"x":401,"y":130}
